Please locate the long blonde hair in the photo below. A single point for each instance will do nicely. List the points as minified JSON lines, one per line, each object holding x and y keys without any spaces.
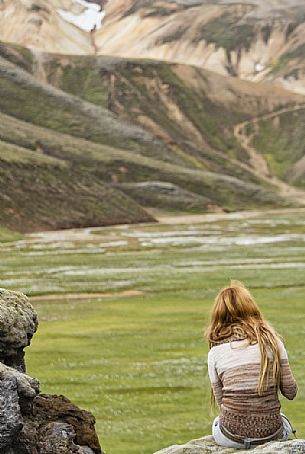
{"x":235,"y":313}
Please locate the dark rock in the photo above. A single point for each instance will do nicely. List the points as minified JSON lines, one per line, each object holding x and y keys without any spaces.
{"x":49,"y":409}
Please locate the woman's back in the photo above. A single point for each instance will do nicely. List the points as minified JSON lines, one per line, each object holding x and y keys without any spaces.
{"x":234,"y":370}
{"x":248,"y":364}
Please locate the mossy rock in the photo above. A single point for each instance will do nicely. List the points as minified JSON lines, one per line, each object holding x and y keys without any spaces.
{"x":18,"y":322}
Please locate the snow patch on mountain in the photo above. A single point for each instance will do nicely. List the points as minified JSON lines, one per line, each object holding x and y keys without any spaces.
{"x":89,"y":19}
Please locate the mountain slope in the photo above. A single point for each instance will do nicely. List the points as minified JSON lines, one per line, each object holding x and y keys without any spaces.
{"x":96,"y":140}
{"x":36,"y":23}
{"x":185,"y":133}
{"x":281,"y":142}
{"x":44,"y":192}
{"x":41,"y":193}
{"x":251,"y":40}
{"x":196,"y":113}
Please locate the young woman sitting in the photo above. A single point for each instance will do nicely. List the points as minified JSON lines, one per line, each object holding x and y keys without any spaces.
{"x":247,"y":365}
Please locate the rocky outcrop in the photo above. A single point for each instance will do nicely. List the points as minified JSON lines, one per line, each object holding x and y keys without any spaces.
{"x":30,"y":422}
{"x":206,"y":445}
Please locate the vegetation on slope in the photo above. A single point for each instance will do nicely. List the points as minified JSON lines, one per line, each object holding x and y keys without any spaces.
{"x":42,"y":193}
{"x":191,"y":118}
{"x":228,"y":31}
{"x":249,"y":40}
{"x":116,"y":122}
{"x":281,"y":141}
{"x":180,"y":105}
{"x":7,"y":235}
{"x":120,"y":166}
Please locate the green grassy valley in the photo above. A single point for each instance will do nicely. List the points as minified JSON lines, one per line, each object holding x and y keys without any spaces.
{"x":138,"y":176}
{"x":122,"y":311}
{"x":7,"y":235}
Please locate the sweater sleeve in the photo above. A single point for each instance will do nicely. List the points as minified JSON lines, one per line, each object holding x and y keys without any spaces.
{"x":214,"y":378}
{"x":288,"y":384}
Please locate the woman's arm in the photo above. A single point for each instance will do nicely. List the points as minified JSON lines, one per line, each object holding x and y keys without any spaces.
{"x":288,"y":384}
{"x":214,"y":378}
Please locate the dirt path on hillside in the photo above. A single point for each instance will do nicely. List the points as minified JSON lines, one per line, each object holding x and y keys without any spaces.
{"x":214,"y":217}
{"x":257,"y":161}
{"x":39,"y":59}
{"x":92,"y":34}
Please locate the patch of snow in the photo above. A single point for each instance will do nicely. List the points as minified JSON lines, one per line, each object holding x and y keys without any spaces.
{"x":114,"y":243}
{"x":43,"y":288}
{"x":283,"y":266}
{"x":239,"y":241}
{"x":60,"y":235}
{"x":173,"y":234}
{"x":104,"y":271}
{"x":92,"y":250}
{"x":197,"y":263}
{"x":90,"y":19}
{"x":259,"y":67}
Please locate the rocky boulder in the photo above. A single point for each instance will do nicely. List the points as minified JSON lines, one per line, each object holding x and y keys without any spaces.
{"x":18,"y":323}
{"x":207,"y":445}
{"x":30,"y":422}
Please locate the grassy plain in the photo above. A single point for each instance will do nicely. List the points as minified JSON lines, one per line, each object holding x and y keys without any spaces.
{"x":139,"y":362}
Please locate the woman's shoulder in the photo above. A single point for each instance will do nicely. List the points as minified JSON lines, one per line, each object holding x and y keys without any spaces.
{"x":282,"y":348}
{"x":223,"y":348}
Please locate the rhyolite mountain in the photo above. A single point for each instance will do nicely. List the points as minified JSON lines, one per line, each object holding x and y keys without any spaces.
{"x":37,"y":24}
{"x":254,"y":40}
{"x":99,"y":139}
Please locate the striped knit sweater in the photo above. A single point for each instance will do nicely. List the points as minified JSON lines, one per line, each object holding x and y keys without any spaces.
{"x":234,"y":368}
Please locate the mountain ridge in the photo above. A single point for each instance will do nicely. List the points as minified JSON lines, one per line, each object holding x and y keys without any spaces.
{"x":250,"y":40}
{"x":122,"y":123}
{"x":142,"y":134}
{"x":255,"y":40}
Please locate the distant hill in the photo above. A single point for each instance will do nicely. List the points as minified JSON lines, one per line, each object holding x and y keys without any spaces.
{"x":253,"y":40}
{"x":38,"y":24}
{"x":41,"y":187}
{"x":81,"y":135}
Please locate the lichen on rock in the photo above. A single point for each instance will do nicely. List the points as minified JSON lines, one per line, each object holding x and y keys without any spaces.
{"x":207,"y":445}
{"x":18,"y":323}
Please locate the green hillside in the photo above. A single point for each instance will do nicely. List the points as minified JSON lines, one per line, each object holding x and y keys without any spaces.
{"x":38,"y":192}
{"x":281,"y":140}
{"x":79,"y":140}
{"x":193,"y":111}
{"x":7,"y":235}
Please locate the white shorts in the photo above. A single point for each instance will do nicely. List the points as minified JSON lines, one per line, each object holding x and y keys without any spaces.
{"x":222,"y":440}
